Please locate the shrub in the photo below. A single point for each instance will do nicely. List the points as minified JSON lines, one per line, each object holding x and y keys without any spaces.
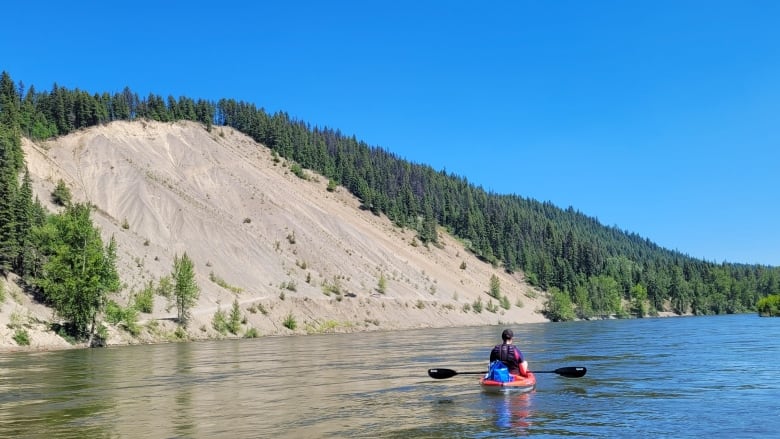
{"x":219,"y":322}
{"x":61,"y":194}
{"x":234,"y":325}
{"x":144,"y":301}
{"x":289,"y":322}
{"x":21,"y":337}
{"x":251,"y":333}
{"x":298,"y":171}
{"x":114,"y":313}
{"x":769,"y":306}
{"x":180,"y":333}
{"x":222,"y":283}
{"x":477,"y":305}
{"x":559,"y":307}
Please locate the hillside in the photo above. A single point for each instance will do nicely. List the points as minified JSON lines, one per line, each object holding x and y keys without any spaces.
{"x":241,"y":215}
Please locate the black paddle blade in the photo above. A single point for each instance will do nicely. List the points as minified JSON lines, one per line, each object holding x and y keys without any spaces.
{"x":441,"y":374}
{"x":571,"y":372}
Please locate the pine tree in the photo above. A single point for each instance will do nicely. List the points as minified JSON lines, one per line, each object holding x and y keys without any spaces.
{"x":185,"y":289}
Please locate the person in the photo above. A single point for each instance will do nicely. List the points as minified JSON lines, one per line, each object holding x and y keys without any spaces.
{"x":509,"y":354}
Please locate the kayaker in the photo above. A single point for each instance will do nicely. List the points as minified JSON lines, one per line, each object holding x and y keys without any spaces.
{"x":510,"y":355}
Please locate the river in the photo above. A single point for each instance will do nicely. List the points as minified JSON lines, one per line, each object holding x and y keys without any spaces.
{"x":661,"y":377}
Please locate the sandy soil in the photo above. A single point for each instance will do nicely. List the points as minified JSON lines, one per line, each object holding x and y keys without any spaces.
{"x":241,"y":216}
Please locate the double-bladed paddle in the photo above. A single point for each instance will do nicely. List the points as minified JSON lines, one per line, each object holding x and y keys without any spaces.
{"x":568,"y":372}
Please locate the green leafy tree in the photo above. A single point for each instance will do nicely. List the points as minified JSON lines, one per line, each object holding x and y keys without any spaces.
{"x":558,"y":307}
{"x":185,"y":288}
{"x":381,"y":286}
{"x":638,"y":300}
{"x":79,"y":273}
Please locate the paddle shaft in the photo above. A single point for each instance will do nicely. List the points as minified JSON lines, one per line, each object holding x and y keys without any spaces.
{"x":569,"y":372}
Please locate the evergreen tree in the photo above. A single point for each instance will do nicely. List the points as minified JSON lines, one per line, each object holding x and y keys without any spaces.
{"x":495,"y":287}
{"x":185,"y":288}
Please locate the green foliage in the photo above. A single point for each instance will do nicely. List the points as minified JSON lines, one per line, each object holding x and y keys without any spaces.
{"x":553,"y":247}
{"x":251,"y":333}
{"x":381,"y":286}
{"x":638,"y":295}
{"x":79,"y":272}
{"x":477,"y":305}
{"x":505,"y":302}
{"x":234,"y":323}
{"x":296,"y":169}
{"x":332,"y":287}
{"x":331,"y":185}
{"x":222,"y":283}
{"x":495,"y":287}
{"x":558,"y":307}
{"x":114,"y":313}
{"x":290,"y":322}
{"x":491,"y":307}
{"x":61,"y":194}
{"x":144,"y":300}
{"x":165,"y":287}
{"x":769,"y":306}
{"x":185,"y":289}
{"x":126,"y":317}
{"x":180,"y":333}
{"x":219,"y":322}
{"x":21,"y":337}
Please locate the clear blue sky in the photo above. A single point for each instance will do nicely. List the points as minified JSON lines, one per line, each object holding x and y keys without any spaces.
{"x":661,"y":117}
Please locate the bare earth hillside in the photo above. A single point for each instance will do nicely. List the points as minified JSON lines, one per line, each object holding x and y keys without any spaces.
{"x":286,"y":243}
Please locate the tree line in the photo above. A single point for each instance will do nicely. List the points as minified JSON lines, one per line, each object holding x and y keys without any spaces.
{"x":61,"y":258}
{"x":590,"y":270}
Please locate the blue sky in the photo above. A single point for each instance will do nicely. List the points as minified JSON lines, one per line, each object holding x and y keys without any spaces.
{"x":659,"y":117}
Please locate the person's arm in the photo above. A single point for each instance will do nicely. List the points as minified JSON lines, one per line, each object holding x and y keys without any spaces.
{"x":522,"y":364}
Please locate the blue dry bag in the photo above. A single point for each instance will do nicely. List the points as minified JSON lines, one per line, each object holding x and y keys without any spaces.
{"x":499,"y":372}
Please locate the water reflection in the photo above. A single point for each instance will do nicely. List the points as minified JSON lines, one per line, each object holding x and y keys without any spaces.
{"x":510,"y":411}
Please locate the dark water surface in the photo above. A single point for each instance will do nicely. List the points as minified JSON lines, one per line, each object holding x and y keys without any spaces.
{"x":675,"y":377}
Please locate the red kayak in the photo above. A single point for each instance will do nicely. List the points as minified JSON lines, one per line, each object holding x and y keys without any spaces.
{"x":519,"y":384}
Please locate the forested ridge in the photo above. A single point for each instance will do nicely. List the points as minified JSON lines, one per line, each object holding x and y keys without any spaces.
{"x":590,"y":269}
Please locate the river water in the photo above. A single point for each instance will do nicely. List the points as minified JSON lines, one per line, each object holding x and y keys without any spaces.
{"x":666,"y":377}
